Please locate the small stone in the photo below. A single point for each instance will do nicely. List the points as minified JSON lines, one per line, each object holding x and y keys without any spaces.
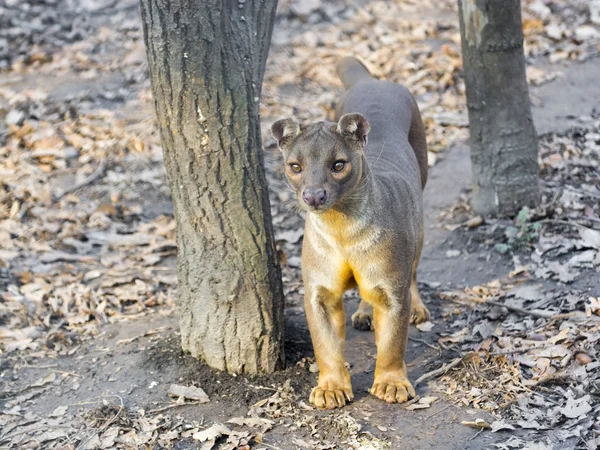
{"x":585,"y":33}
{"x":474,"y":222}
{"x":14,"y":117}
{"x":303,"y":8}
{"x":452,"y":253}
{"x":431,"y":159}
{"x":583,"y":358}
{"x":595,"y":11}
{"x":554,"y":31}
{"x":311,"y":40}
{"x":540,"y":9}
{"x":592,"y":137}
{"x":71,"y":153}
{"x":313,"y":368}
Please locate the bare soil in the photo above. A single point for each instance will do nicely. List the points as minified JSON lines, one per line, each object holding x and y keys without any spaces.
{"x":105,"y":366}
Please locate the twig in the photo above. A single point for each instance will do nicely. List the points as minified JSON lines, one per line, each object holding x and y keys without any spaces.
{"x":31,"y":430}
{"x":476,"y":434}
{"x":105,"y":426}
{"x":434,"y":373}
{"x":437,"y":412}
{"x":437,"y":349}
{"x":49,"y":366}
{"x":89,"y":180}
{"x":540,"y":314}
{"x":270,"y":446}
{"x":261,"y":387}
{"x":573,"y":315}
{"x":146,"y":334}
{"x":562,"y":222}
{"x":579,"y":191}
{"x":172,"y":405}
{"x":63,"y":372}
{"x":542,"y":396}
{"x":164,"y":408}
{"x":588,"y":446}
{"x":516,"y":350}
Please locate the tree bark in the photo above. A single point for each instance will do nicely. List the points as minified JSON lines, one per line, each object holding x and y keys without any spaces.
{"x":206,"y":61}
{"x":504,"y":148}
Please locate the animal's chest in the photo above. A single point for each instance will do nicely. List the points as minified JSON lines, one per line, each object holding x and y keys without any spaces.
{"x":356,"y":248}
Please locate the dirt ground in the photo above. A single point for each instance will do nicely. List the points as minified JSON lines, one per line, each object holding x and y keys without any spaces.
{"x":89,"y":343}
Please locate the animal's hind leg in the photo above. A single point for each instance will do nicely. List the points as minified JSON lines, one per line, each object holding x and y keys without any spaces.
{"x":362,"y":319}
{"x":418,"y":311}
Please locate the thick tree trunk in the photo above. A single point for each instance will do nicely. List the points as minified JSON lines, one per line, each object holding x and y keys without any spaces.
{"x":206,"y":60}
{"x":504,"y":147}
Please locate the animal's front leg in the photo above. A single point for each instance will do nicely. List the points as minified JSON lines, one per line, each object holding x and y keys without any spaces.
{"x":327,"y":325}
{"x":391,"y":318}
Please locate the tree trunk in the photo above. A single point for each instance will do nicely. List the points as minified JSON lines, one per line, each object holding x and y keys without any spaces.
{"x":504,"y":146}
{"x":207,"y":60}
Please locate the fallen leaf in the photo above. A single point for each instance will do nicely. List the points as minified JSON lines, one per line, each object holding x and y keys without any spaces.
{"x":498,"y":425}
{"x":423,"y":403}
{"x":59,"y":411}
{"x":108,"y":437}
{"x":575,"y":408}
{"x":212,"y":433}
{"x":189,"y":392}
{"x":42,"y":381}
{"x":264,"y":424}
{"x":564,"y":334}
{"x":589,"y":237}
{"x":425,"y":326}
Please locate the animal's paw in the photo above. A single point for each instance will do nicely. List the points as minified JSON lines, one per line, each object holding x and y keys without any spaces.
{"x":397,"y":390}
{"x":419,"y":313}
{"x":331,"y":396}
{"x":362,"y":321}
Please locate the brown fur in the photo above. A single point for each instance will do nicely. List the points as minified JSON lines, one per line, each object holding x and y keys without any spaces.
{"x":368,"y":230}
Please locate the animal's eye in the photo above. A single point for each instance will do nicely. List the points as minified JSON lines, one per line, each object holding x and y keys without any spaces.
{"x":338,"y":166}
{"x":295,"y":168}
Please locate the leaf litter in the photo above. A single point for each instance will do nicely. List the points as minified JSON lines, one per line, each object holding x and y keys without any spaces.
{"x":75,"y":259}
{"x":531,"y":357}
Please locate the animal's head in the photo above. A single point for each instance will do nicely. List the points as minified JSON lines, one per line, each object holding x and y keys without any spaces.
{"x":324,"y":161}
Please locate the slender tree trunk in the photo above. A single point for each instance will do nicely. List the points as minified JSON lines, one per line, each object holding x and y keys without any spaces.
{"x":207,"y":60}
{"x":504,"y":147}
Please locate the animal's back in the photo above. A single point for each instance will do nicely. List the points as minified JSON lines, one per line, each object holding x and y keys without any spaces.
{"x":397,"y":136}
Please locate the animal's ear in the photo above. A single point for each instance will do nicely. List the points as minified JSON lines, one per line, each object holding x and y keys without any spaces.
{"x":353,"y":127}
{"x":285,"y":131}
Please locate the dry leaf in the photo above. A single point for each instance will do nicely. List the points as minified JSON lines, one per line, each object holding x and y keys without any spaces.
{"x":425,"y":326}
{"x":264,"y":424}
{"x":423,"y":403}
{"x":189,"y":392}
{"x":212,"y":433}
{"x":59,"y":411}
{"x":45,"y":380}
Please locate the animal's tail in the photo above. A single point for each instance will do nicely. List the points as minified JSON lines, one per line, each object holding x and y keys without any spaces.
{"x":352,"y":71}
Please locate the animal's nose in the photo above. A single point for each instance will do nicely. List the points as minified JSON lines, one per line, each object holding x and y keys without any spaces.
{"x":314,"y":197}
